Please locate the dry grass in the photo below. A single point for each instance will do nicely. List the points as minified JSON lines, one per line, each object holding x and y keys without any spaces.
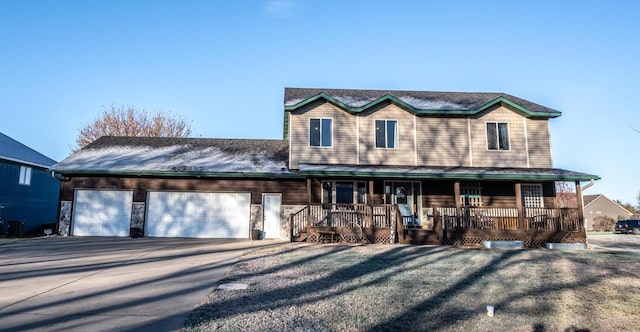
{"x":306,"y":287}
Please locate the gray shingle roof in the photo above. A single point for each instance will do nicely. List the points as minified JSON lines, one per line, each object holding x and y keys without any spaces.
{"x":183,"y":156}
{"x":587,"y":199}
{"x":13,"y":150}
{"x":420,"y":100}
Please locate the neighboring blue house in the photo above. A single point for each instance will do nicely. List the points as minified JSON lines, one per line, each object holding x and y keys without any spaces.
{"x":28,"y":192}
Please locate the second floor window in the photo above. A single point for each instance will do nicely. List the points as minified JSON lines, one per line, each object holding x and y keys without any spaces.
{"x":320,"y":132}
{"x":386,"y":134}
{"x":497,"y":136}
{"x":25,"y":175}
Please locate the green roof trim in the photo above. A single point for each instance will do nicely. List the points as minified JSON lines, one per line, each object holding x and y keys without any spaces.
{"x":454,"y":176}
{"x":417,"y":111}
{"x":518,"y":107}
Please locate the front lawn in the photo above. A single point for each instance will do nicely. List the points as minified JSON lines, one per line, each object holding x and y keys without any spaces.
{"x":395,"y":287}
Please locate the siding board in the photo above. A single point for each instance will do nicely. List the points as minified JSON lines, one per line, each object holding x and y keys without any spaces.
{"x":442,"y":141}
{"x":293,"y":191}
{"x":404,"y":154}
{"x":344,"y":140}
{"x":516,"y":156}
{"x":539,"y":143}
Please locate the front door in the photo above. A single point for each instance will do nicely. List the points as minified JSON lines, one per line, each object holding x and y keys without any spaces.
{"x":407,"y":197}
{"x":271,"y":215}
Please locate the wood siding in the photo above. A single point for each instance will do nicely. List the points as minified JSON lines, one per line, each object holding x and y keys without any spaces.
{"x":344,"y":148}
{"x":442,"y":141}
{"x":516,"y":156}
{"x":422,"y":140}
{"x":293,"y":191}
{"x":405,"y":151}
{"x":538,"y":139}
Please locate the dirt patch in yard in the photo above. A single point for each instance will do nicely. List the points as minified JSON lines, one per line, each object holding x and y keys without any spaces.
{"x":380,"y":288}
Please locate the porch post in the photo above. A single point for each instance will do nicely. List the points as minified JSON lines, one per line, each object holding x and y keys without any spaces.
{"x":580,"y":207}
{"x":437,"y":224}
{"x":521,"y":223}
{"x":308,"y":201}
{"x":370,"y":200}
{"x":456,"y":193}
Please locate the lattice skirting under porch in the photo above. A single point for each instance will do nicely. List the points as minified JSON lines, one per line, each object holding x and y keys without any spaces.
{"x":528,"y":242}
{"x":313,"y":238}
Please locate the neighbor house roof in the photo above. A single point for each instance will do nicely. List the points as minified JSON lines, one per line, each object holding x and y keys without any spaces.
{"x":467,"y":173}
{"x":15,"y":151}
{"x":178,"y":157}
{"x":588,"y":199}
{"x":419,"y":102}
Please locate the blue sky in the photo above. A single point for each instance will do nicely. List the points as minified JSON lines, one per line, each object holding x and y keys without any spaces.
{"x":223,"y":65}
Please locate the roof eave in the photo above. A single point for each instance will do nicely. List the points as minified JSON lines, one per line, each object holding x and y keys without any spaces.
{"x":176,"y":174}
{"x":392,"y":99}
{"x":453,"y":176}
{"x":24,"y":162}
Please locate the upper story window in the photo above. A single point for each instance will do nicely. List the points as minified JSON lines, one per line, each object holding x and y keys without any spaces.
{"x":497,"y":136}
{"x":25,"y":175}
{"x":386,"y":134}
{"x":320,"y":132}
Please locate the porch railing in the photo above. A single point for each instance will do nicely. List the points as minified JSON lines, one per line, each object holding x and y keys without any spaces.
{"x":485,"y":218}
{"x":340,"y":215}
{"x":542,"y":219}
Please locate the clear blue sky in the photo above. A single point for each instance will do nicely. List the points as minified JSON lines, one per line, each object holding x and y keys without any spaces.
{"x":223,"y":65}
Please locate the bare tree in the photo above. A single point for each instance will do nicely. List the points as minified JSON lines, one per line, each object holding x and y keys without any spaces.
{"x":127,"y":121}
{"x":566,"y":195}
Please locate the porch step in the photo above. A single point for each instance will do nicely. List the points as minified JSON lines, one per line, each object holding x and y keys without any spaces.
{"x":503,"y":244}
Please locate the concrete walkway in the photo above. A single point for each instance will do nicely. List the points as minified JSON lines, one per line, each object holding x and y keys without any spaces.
{"x":110,"y":284}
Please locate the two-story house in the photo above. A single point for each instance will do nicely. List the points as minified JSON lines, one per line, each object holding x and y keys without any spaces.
{"x":403,"y":166}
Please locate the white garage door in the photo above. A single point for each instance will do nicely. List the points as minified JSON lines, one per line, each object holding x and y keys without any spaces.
{"x":203,"y":215}
{"x":101,"y":213}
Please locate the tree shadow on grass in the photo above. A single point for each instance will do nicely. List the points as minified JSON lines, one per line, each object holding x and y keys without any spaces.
{"x":438,"y":310}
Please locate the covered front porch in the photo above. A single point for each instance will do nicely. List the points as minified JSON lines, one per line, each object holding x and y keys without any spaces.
{"x":461,"y":206}
{"x":464,"y":226}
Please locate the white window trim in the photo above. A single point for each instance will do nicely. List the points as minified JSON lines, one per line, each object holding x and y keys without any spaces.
{"x":25,"y":176}
{"x":375,"y":146}
{"x":486,"y":136}
{"x":309,"y":133}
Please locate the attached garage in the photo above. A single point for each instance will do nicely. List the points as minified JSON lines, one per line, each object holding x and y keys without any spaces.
{"x":101,"y":212}
{"x":198,"y":214}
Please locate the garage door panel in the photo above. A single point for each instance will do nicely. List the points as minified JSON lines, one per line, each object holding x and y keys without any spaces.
{"x":102,"y":213}
{"x":202,"y":215}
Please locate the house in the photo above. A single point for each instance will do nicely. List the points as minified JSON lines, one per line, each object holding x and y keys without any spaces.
{"x":405,"y":166}
{"x":601,"y":206}
{"x":28,"y":192}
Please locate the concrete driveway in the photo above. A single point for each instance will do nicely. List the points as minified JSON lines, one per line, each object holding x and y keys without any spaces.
{"x":610,"y":241}
{"x":114,"y":284}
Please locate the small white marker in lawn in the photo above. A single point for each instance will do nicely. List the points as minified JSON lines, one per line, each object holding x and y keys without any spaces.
{"x":233,"y":286}
{"x":490,"y":310}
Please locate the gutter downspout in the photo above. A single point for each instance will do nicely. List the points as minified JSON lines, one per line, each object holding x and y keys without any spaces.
{"x":585,"y":187}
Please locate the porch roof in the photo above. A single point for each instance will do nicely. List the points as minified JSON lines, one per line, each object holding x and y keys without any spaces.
{"x":462,"y":173}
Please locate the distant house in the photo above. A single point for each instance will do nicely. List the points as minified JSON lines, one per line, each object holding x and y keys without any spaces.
{"x":28,"y":192}
{"x":404,"y":166}
{"x":601,"y":206}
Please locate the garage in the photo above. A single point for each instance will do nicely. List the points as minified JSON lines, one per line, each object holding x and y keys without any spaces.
{"x":101,"y":212}
{"x":198,"y":214}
